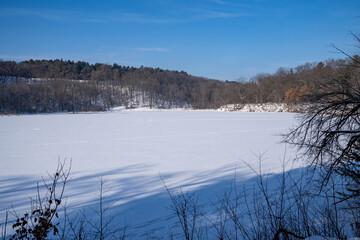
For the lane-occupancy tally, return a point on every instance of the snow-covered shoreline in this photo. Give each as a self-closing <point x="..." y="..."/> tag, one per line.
<point x="250" y="107"/>
<point x="263" y="107"/>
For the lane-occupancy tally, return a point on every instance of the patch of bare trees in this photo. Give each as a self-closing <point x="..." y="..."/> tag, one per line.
<point x="57" y="85"/>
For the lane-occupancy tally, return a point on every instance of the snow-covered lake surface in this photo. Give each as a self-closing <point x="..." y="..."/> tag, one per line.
<point x="130" y="149"/>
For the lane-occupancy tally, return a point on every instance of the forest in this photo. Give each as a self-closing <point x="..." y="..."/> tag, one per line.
<point x="45" y="86"/>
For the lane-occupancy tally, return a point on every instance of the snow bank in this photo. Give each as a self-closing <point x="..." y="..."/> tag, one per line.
<point x="145" y="109"/>
<point x="263" y="107"/>
<point x="250" y="107"/>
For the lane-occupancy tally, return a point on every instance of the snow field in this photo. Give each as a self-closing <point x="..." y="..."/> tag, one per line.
<point x="131" y="149"/>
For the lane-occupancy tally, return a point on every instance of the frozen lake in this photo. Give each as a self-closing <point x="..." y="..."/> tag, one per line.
<point x="161" y="141"/>
<point x="130" y="149"/>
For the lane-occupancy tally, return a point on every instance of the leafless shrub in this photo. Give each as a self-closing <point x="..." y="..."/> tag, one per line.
<point x="103" y="226"/>
<point x="39" y="222"/>
<point x="186" y="207"/>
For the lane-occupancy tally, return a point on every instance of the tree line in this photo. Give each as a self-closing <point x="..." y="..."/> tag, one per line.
<point x="38" y="86"/>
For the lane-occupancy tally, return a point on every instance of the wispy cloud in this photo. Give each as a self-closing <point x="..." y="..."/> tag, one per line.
<point x="207" y="14"/>
<point x="79" y="16"/>
<point x="221" y="2"/>
<point x="182" y="15"/>
<point x="152" y="49"/>
<point x="49" y="14"/>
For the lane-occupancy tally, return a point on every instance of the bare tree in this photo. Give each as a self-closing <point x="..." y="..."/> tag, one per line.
<point x="329" y="132"/>
<point x="103" y="226"/>
<point x="186" y="207"/>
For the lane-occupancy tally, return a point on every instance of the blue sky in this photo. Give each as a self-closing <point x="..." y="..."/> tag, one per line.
<point x="221" y="39"/>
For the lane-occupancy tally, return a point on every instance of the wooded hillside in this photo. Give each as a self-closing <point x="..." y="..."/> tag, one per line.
<point x="37" y="86"/>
